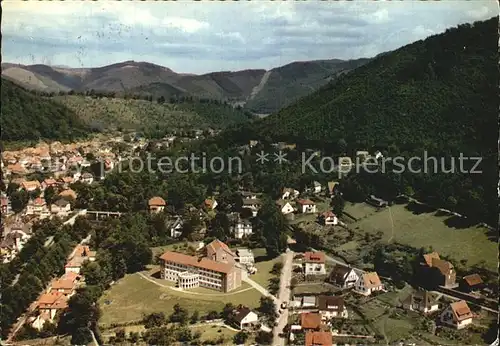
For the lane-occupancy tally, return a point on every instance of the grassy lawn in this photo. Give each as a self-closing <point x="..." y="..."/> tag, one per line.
<point x="264" y="266"/>
<point x="427" y="229"/>
<point x="133" y="296"/>
<point x="212" y="332"/>
<point x="359" y="210"/>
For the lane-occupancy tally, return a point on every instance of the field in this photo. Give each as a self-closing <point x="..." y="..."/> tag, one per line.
<point x="427" y="229"/>
<point x="133" y="296"/>
<point x="264" y="266"/>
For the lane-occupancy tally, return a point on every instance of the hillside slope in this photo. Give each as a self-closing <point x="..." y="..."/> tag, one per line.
<point x="439" y="95"/>
<point x="288" y="83"/>
<point x="25" y="116"/>
<point x="111" y="113"/>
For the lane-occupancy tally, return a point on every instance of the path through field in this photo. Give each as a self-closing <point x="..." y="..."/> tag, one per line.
<point x="259" y="86"/>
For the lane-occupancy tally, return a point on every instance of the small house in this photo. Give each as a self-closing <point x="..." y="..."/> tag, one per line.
<point x="219" y="252"/>
<point x="368" y="283"/>
<point x="331" y="307"/>
<point x="286" y="207"/>
<point x="317" y="187"/>
<point x="61" y="207"/>
<point x="314" y="263"/>
<point x="472" y="282"/>
<point x="315" y="338"/>
<point x="87" y="178"/>
<point x="308" y="301"/>
<point x="241" y="228"/>
<point x="438" y="272"/>
<point x="343" y="276"/>
<point x="310" y="321"/>
<point x="457" y="315"/>
<point x="328" y="218"/>
<point x="245" y="318"/>
<point x="210" y="204"/>
<point x="289" y="193"/>
<point x="30" y="186"/>
<point x="245" y="256"/>
<point x="376" y="202"/>
<point x="156" y="204"/>
<point x="306" y="206"/>
<point x="422" y="301"/>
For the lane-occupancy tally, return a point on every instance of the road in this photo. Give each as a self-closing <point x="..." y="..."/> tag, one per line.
<point x="284" y="295"/>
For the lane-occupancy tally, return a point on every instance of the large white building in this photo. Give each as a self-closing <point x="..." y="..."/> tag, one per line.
<point x="190" y="271"/>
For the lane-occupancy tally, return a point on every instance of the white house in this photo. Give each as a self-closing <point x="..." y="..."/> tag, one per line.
<point x="317" y="187"/>
<point x="289" y="193"/>
<point x="457" y="315"/>
<point x="253" y="204"/>
<point x="242" y="228"/>
<point x="176" y="229"/>
<point x="314" y="263"/>
<point x="328" y="218"/>
<point x="244" y="318"/>
<point x="368" y="283"/>
<point x="422" y="301"/>
<point x="245" y="256"/>
<point x="306" y="206"/>
<point x="343" y="276"/>
<point x="331" y="307"/>
<point x="61" y="207"/>
<point x="286" y="208"/>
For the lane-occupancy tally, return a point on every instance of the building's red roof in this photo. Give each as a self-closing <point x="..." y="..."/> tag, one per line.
<point x="193" y="261"/>
<point x="314" y="257"/>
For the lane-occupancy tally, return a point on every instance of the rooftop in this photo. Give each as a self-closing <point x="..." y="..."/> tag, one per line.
<point x="193" y="261"/>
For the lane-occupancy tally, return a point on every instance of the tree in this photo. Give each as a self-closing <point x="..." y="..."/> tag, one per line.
<point x="19" y="200"/>
<point x="156" y="319"/>
<point x="267" y="307"/>
<point x="272" y="223"/>
<point x="264" y="338"/>
<point x="212" y="315"/>
<point x="276" y="269"/>
<point x="228" y="312"/>
<point x="194" y="317"/>
<point x="180" y="315"/>
<point x="161" y="99"/>
<point x="240" y="338"/>
<point x="338" y="204"/>
<point x="49" y="195"/>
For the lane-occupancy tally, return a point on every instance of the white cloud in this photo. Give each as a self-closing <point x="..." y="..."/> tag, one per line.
<point x="205" y="36"/>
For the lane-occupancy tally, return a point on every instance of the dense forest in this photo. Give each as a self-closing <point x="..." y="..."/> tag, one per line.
<point x="438" y="95"/>
<point x="26" y="116"/>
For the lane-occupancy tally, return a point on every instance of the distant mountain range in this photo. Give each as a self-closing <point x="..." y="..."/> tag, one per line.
<point x="259" y="90"/>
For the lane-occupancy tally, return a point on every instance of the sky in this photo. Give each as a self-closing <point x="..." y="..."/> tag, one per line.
<point x="201" y="37"/>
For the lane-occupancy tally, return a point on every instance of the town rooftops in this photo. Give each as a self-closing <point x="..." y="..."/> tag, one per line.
<point x="61" y="202"/>
<point x="31" y="185"/>
<point x="53" y="300"/>
<point x="50" y="182"/>
<point x="314" y="257"/>
<point x="194" y="261"/>
<point x="39" y="201"/>
<point x="305" y="202"/>
<point x="156" y="201"/>
<point x="371" y="280"/>
<point x="318" y="338"/>
<point x="310" y="320"/>
<point x="473" y="279"/>
<point x="461" y="310"/>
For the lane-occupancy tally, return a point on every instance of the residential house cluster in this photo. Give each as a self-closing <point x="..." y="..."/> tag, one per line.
<point x="55" y="299"/>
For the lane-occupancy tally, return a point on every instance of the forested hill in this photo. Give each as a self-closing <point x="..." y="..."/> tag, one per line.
<point x="25" y="116"/>
<point x="438" y="95"/>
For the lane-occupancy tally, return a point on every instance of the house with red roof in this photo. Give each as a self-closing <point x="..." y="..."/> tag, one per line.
<point x="306" y="206"/>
